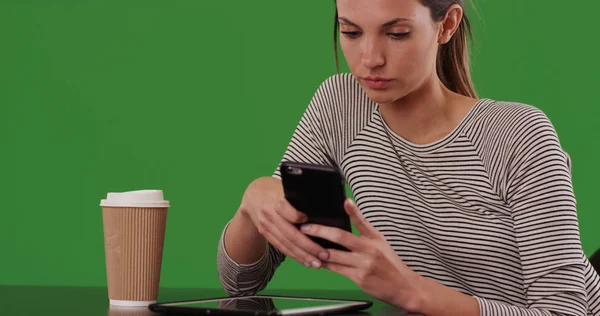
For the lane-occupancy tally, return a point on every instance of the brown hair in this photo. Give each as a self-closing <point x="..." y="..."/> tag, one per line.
<point x="453" y="57"/>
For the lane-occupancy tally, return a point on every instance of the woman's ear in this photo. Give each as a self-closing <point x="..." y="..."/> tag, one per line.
<point x="450" y="23"/>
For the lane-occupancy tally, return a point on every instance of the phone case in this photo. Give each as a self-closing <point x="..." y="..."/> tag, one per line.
<point x="319" y="192"/>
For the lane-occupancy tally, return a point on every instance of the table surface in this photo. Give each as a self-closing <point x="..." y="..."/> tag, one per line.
<point x="93" y="301"/>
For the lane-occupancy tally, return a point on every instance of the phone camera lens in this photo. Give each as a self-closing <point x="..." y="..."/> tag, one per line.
<point x="294" y="171"/>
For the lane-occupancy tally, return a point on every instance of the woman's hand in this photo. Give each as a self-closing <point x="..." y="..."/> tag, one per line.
<point x="264" y="203"/>
<point x="372" y="263"/>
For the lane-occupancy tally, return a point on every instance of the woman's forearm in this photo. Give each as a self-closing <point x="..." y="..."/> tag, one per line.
<point x="242" y="241"/>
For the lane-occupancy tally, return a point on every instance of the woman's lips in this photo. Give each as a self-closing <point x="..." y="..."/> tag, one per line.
<point x="377" y="83"/>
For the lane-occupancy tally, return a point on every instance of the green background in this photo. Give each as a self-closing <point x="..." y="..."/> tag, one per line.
<point x="198" y="98"/>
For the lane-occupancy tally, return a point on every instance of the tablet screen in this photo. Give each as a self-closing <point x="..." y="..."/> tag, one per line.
<point x="264" y="303"/>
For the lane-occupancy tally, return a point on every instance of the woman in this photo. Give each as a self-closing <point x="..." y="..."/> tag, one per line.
<point x="465" y="205"/>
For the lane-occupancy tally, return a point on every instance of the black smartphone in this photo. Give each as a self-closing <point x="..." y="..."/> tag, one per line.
<point x="319" y="192"/>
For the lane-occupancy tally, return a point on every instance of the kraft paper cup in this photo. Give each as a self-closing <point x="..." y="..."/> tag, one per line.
<point x="134" y="231"/>
<point x="129" y="311"/>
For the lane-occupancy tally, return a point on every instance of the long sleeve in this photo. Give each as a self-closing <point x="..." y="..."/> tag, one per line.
<point x="540" y="194"/>
<point x="312" y="140"/>
<point x="308" y="145"/>
<point x="246" y="279"/>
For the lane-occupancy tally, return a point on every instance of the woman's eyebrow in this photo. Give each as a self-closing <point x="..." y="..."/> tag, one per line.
<point x="386" y="24"/>
<point x="394" y="21"/>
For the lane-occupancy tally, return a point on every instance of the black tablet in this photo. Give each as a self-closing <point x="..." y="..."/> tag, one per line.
<point x="260" y="305"/>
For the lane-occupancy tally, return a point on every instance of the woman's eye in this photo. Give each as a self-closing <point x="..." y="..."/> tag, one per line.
<point x="351" y="34"/>
<point x="398" y="36"/>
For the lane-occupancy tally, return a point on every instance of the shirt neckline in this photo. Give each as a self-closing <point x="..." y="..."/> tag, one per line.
<point x="432" y="146"/>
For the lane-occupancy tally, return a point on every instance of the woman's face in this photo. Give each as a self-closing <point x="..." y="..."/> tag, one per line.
<point x="389" y="45"/>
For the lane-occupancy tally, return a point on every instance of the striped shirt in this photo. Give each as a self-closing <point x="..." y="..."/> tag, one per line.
<point x="488" y="210"/>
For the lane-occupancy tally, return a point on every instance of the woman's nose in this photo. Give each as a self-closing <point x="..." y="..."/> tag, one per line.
<point x="372" y="55"/>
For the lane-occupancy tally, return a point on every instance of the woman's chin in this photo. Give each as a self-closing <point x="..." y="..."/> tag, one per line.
<point x="382" y="96"/>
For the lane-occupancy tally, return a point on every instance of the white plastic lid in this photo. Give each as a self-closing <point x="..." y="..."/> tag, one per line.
<point x="140" y="198"/>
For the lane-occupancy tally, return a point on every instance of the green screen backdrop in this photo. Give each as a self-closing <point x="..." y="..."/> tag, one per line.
<point x="200" y="97"/>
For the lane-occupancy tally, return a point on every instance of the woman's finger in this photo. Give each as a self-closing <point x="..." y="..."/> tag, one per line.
<point x="293" y="234"/>
<point x="336" y="235"/>
<point x="360" y="222"/>
<point x="289" y="213"/>
<point x="347" y="258"/>
<point x="280" y="230"/>
<point x="341" y="269"/>
<point x="277" y="244"/>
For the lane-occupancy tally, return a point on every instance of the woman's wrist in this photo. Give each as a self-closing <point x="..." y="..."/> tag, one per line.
<point x="414" y="299"/>
<point x="433" y="298"/>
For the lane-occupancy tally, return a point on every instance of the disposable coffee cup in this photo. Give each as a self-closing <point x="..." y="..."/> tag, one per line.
<point x="134" y="231"/>
<point x="129" y="311"/>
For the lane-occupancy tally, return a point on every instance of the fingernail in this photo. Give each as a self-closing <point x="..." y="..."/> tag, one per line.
<point x="323" y="256"/>
<point x="316" y="264"/>
<point x="307" y="264"/>
<point x="351" y="202"/>
<point x="305" y="228"/>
